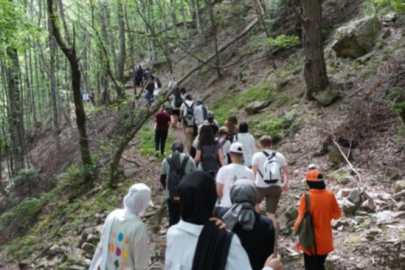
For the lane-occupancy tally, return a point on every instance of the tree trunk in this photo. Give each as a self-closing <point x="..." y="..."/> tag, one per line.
<point x="71" y="56"/>
<point x="214" y="33"/>
<point x="316" y="78"/>
<point x="121" y="60"/>
<point x="15" y="117"/>
<point x="197" y="15"/>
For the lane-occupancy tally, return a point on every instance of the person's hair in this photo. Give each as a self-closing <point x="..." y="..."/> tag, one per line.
<point x="189" y="97"/>
<point x="238" y="155"/>
<point x="176" y="91"/>
<point x="222" y="132"/>
<point x="183" y="90"/>
<point x="232" y="124"/>
<point x="243" y="127"/>
<point x="152" y="77"/>
<point x="266" y="141"/>
<point x="206" y="136"/>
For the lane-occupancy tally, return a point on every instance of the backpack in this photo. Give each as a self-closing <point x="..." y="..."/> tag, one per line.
<point x="205" y="111"/>
<point x="209" y="158"/>
<point x="272" y="169"/>
<point x="177" y="101"/>
<point x="189" y="121"/>
<point x="175" y="176"/>
<point x="189" y="107"/>
<point x="305" y="231"/>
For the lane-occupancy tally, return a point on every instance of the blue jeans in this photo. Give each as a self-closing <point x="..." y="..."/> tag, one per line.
<point x="150" y="98"/>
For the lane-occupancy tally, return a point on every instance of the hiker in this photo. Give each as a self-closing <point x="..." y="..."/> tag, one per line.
<point x="150" y="88"/>
<point x="224" y="143"/>
<point x="124" y="241"/>
<point x="256" y="232"/>
<point x="163" y="121"/>
<point x="174" y="168"/>
<point x="183" y="93"/>
<point x="200" y="112"/>
<point x="212" y="122"/>
<point x="189" y="124"/>
<point x="187" y="104"/>
<point x="193" y="150"/>
<point x="138" y="76"/>
<point x="208" y="152"/>
<point x="248" y="142"/>
<point x="232" y="124"/>
<point x="146" y="74"/>
<point x="227" y="175"/>
<point x="267" y="167"/>
<point x="176" y="104"/>
<point x="196" y="242"/>
<point x="158" y="86"/>
<point x="323" y="207"/>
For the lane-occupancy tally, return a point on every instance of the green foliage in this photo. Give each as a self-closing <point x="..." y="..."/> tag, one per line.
<point x="284" y="41"/>
<point x="146" y="141"/>
<point x="274" y="127"/>
<point x="378" y="6"/>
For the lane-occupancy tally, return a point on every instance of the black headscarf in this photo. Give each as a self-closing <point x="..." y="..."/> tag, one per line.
<point x="243" y="127"/>
<point x="198" y="195"/>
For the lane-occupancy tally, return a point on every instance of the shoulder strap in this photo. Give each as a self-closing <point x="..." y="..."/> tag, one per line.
<point x="223" y="142"/>
<point x="266" y="154"/>
<point x="171" y="163"/>
<point x="308" y="203"/>
<point x="184" y="163"/>
<point x="225" y="251"/>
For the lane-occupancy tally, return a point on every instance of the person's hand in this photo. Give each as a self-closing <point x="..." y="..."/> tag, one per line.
<point x="274" y="263"/>
<point x="219" y="223"/>
<point x="284" y="188"/>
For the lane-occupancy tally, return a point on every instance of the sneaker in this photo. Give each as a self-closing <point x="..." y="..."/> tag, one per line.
<point x="157" y="153"/>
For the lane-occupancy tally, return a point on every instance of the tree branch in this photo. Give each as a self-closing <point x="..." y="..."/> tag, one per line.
<point x="346" y="158"/>
<point x="84" y="47"/>
<point x="56" y="32"/>
<point x="298" y="15"/>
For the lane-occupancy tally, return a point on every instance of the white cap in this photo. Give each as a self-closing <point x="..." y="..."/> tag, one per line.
<point x="311" y="166"/>
<point x="236" y="148"/>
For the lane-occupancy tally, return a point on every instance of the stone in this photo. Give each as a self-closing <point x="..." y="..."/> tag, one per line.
<point x="87" y="247"/>
<point x="386" y="34"/>
<point x="157" y="266"/>
<point x="398" y="195"/>
<point x="256" y="106"/>
<point x="85" y="234"/>
<point x="336" y="157"/>
<point x="391" y="17"/>
<point x="401" y="206"/>
<point x="55" y="250"/>
<point x="331" y="262"/>
<point x="368" y="205"/>
<point x="93" y="239"/>
<point x="23" y="264"/>
<point x="326" y="97"/>
<point x="343" y="193"/>
<point x="357" y="37"/>
<point x="348" y="207"/>
<point x="354" y="196"/>
<point x="130" y="172"/>
<point x="129" y="84"/>
<point x="399" y="186"/>
<point x="152" y="159"/>
<point x="340" y="223"/>
<point x="366" y="57"/>
<point x="291" y="115"/>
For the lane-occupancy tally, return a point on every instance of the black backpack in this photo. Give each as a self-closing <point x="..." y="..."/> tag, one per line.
<point x="209" y="159"/>
<point x="189" y="121"/>
<point x="205" y="111"/>
<point x="175" y="176"/>
<point x="177" y="101"/>
<point x="189" y="107"/>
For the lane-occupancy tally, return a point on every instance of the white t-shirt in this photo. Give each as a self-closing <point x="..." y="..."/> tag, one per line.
<point x="184" y="108"/>
<point x="259" y="159"/>
<point x="227" y="175"/>
<point x="249" y="147"/>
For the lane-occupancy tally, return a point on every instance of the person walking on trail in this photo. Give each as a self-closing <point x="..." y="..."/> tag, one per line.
<point x="200" y="112"/>
<point x="124" y="241"/>
<point x="177" y="101"/>
<point x="228" y="174"/>
<point x="139" y="76"/>
<point x="189" y="124"/>
<point x="270" y="168"/>
<point x="187" y="104"/>
<point x="150" y="88"/>
<point x="196" y="242"/>
<point x="232" y="124"/>
<point x="323" y="207"/>
<point x="256" y="232"/>
<point x="248" y="142"/>
<point x="174" y="168"/>
<point x="163" y="121"/>
<point x="208" y="152"/>
<point x="224" y="143"/>
<point x="183" y="93"/>
<point x="212" y="122"/>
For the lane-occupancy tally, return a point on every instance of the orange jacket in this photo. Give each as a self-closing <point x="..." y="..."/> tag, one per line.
<point x="324" y="208"/>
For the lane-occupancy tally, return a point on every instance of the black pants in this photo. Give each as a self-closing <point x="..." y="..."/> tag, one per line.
<point x="315" y="262"/>
<point x="160" y="140"/>
<point x="174" y="212"/>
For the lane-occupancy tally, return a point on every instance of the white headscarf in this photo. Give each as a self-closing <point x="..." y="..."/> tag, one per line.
<point x="136" y="202"/>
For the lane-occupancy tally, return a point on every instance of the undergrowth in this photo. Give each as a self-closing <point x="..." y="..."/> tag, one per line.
<point x="146" y="141"/>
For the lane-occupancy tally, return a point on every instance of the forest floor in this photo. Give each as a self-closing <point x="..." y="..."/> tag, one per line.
<point x="366" y="239"/>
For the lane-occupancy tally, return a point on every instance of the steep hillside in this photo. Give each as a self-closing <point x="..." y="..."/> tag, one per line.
<point x="61" y="228"/>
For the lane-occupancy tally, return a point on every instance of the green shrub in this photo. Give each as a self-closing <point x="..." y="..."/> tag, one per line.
<point x="377" y="6"/>
<point x="284" y="41"/>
